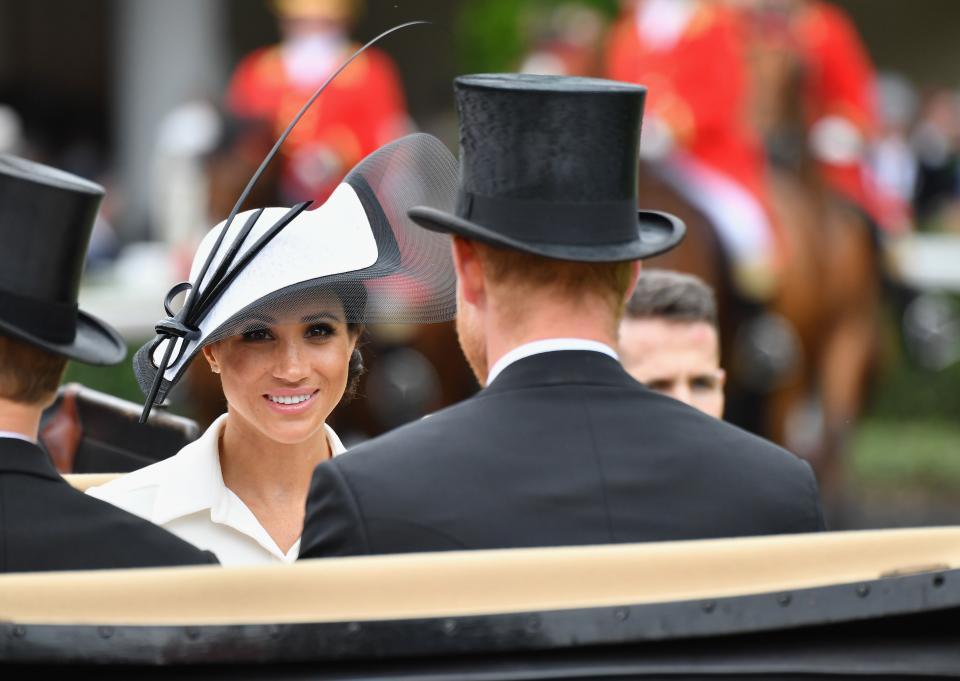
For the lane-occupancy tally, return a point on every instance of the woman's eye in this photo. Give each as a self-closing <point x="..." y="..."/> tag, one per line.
<point x="256" y="335"/>
<point x="320" y="331"/>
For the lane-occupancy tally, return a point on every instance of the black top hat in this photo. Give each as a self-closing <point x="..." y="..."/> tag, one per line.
<point x="549" y="166"/>
<point x="46" y="217"/>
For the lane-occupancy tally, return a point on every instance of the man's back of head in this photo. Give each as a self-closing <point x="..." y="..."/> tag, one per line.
<point x="547" y="231"/>
<point x="29" y="378"/>
<point x="669" y="339"/>
<point x="510" y="298"/>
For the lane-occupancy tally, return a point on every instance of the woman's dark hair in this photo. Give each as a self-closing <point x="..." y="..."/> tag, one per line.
<point x="353" y="297"/>
<point x="355" y="367"/>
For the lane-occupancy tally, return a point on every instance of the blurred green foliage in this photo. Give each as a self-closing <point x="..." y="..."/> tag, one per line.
<point x="116" y="380"/>
<point x="920" y="455"/>
<point x="490" y="33"/>
<point x="908" y="393"/>
<point x="119" y="381"/>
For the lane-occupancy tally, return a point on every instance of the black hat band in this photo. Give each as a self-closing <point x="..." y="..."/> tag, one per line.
<point x="53" y="322"/>
<point x="555" y="222"/>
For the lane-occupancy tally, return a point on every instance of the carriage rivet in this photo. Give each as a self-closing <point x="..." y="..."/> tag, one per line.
<point x="450" y="627"/>
<point x="621" y="614"/>
<point x="353" y="628"/>
<point x="709" y="607"/>
<point x="863" y="590"/>
<point x="784" y="599"/>
<point x="105" y="632"/>
<point x="19" y="631"/>
<point x="193" y="633"/>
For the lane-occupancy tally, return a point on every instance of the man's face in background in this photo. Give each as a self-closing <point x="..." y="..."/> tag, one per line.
<point x="677" y="358"/>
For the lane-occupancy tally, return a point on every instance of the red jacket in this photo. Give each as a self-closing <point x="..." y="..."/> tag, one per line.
<point x="362" y="109"/>
<point x="840" y="77"/>
<point x="841" y="82"/>
<point x="699" y="87"/>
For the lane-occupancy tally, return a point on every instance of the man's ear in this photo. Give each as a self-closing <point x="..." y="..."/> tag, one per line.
<point x="470" y="273"/>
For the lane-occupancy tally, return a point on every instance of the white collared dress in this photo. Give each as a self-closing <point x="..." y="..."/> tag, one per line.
<point x="186" y="495"/>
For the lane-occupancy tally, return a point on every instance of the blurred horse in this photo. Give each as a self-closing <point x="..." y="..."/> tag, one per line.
<point x="842" y="267"/>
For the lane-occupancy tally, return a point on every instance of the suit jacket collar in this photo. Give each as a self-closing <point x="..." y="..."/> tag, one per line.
<point x="563" y="367"/>
<point x="19" y="456"/>
<point x="546" y="345"/>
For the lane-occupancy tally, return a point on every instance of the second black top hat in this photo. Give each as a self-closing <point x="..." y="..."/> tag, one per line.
<point x="549" y="166"/>
<point x="46" y="217"/>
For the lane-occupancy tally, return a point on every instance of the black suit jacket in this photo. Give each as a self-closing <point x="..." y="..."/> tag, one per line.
<point x="563" y="448"/>
<point x="45" y="524"/>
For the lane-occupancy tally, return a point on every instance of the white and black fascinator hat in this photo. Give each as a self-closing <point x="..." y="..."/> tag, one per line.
<point x="359" y="246"/>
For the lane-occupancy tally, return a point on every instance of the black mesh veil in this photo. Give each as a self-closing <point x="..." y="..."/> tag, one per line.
<point x="360" y="249"/>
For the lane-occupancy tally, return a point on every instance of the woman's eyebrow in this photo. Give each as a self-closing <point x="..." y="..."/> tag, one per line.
<point x="259" y="317"/>
<point x="320" y="315"/>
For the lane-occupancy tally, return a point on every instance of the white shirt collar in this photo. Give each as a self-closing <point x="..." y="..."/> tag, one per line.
<point x="548" y="345"/>
<point x="193" y="482"/>
<point x="17" y="436"/>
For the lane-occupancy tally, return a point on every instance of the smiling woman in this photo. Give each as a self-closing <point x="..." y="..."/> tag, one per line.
<point x="280" y="326"/>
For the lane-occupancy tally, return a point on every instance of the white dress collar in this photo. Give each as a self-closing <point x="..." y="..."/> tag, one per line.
<point x="548" y="345"/>
<point x="193" y="482"/>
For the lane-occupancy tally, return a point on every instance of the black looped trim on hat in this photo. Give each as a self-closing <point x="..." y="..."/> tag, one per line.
<point x="175" y="327"/>
<point x="555" y="222"/>
<point x="53" y="322"/>
<point x="175" y="291"/>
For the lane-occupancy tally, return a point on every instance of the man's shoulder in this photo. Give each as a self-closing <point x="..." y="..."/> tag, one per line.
<point x="693" y="429"/>
<point x="103" y="534"/>
<point x="419" y="436"/>
<point x="624" y="418"/>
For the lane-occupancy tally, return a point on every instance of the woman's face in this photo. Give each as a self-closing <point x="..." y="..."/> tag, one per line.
<point x="283" y="377"/>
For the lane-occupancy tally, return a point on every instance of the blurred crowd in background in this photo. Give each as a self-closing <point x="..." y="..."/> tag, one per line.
<point x="702" y="92"/>
<point x="737" y="89"/>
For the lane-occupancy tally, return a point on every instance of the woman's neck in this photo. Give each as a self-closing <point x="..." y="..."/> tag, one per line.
<point x="270" y="477"/>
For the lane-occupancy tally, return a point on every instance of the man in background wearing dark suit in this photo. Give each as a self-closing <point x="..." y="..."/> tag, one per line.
<point x="46" y="217"/>
<point x="562" y="446"/>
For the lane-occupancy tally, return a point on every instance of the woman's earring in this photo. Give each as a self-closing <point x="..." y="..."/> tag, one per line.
<point x="215" y="369"/>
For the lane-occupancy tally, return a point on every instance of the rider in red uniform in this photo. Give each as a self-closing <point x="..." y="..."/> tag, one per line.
<point x="361" y="110"/>
<point x="689" y="53"/>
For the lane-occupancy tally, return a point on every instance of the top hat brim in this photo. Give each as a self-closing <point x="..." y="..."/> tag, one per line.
<point x="656" y="233"/>
<point x="95" y="342"/>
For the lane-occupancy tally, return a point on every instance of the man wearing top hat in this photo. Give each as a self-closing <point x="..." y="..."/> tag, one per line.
<point x="46" y="217"/>
<point x="562" y="446"/>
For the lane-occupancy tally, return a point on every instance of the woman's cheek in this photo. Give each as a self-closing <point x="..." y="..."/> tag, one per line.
<point x="331" y="363"/>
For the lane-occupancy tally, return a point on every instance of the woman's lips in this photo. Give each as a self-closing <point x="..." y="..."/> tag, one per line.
<point x="290" y="402"/>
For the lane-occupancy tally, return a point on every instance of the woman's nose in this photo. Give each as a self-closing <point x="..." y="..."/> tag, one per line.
<point x="290" y="364"/>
